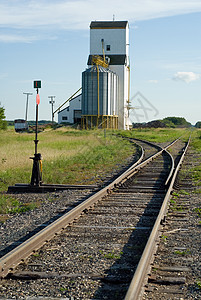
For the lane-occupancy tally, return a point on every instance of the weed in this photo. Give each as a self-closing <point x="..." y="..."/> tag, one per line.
<point x="3" y="218"/>
<point x="198" y="284"/>
<point x="63" y="289"/>
<point x="175" y="194"/>
<point x="20" y="208"/>
<point x="164" y="238"/>
<point x="176" y="207"/>
<point x="179" y="208"/>
<point x="72" y="281"/>
<point x="183" y="192"/>
<point x="182" y="253"/>
<point x="10" y="205"/>
<point x="36" y="254"/>
<point x="111" y="255"/>
<point x="198" y="211"/>
<point x="197" y="191"/>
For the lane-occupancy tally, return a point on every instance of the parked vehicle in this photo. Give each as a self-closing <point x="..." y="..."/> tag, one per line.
<point x="21" y="125"/>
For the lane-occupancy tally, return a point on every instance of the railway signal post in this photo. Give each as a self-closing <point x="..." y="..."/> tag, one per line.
<point x="36" y="178"/>
<point x="36" y="185"/>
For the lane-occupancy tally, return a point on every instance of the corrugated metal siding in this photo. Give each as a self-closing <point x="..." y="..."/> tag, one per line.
<point x="107" y="94"/>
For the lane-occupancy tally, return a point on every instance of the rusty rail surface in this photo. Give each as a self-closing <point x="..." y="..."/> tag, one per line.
<point x="9" y="261"/>
<point x="136" y="288"/>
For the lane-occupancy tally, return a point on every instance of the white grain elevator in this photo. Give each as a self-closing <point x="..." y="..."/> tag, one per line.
<point x="106" y="82"/>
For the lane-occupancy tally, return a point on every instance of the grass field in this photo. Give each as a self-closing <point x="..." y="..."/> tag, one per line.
<point x="158" y="135"/>
<point x="71" y="156"/>
<point x="196" y="171"/>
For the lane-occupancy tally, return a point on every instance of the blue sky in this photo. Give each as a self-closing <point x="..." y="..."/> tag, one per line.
<point x="49" y="41"/>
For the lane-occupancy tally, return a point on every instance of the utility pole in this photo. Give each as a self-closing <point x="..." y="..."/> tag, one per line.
<point x="28" y="94"/>
<point x="52" y="103"/>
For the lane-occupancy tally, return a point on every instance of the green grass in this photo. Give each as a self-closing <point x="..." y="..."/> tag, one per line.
<point x="197" y="191"/>
<point x="173" y="201"/>
<point x="36" y="254"/>
<point x="10" y="205"/>
<point x="158" y="135"/>
<point x="73" y="156"/>
<point x="69" y="156"/>
<point x="183" y="192"/>
<point x="196" y="171"/>
<point x="87" y="165"/>
<point x="164" y="238"/>
<point x="111" y="255"/>
<point x="182" y="253"/>
<point x="196" y="175"/>
<point x="198" y="211"/>
<point x="196" y="143"/>
<point x="198" y="284"/>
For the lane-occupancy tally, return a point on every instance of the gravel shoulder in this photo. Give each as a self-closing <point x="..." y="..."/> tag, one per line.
<point x="176" y="271"/>
<point x="181" y="234"/>
<point x="49" y="207"/>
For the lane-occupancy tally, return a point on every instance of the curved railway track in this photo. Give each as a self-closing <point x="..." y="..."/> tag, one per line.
<point x="104" y="240"/>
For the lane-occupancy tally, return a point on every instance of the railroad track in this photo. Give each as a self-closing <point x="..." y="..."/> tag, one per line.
<point x="103" y="239"/>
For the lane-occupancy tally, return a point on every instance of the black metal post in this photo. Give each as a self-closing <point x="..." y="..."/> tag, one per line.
<point x="36" y="129"/>
<point x="36" y="178"/>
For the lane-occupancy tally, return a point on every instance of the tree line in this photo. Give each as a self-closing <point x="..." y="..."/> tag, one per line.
<point x="171" y="122"/>
<point x="3" y="123"/>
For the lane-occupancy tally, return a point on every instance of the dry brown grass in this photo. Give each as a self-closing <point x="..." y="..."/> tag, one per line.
<point x="15" y="148"/>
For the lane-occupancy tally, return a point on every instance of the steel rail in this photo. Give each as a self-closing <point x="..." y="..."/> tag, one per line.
<point x="9" y="261"/>
<point x="139" y="166"/>
<point x="136" y="288"/>
<point x="20" y="253"/>
<point x="172" y="169"/>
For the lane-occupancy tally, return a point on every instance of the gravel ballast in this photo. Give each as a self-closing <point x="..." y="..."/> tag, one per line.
<point x="57" y="284"/>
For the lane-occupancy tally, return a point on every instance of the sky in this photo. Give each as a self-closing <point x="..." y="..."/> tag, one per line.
<point x="49" y="41"/>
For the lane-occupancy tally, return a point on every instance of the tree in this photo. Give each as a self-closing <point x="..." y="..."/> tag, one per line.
<point x="3" y="123"/>
<point x="176" y="122"/>
<point x="198" y="124"/>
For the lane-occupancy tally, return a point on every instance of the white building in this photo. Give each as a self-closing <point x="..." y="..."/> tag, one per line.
<point x="72" y="113"/>
<point x="113" y="38"/>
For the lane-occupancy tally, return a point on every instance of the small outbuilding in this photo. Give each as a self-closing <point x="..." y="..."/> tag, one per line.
<point x="72" y="113"/>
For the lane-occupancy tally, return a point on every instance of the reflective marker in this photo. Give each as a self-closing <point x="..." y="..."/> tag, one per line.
<point x="37" y="99"/>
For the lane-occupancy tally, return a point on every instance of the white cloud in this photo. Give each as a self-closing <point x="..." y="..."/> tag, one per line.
<point x="77" y="14"/>
<point x="3" y="75"/>
<point x="12" y="38"/>
<point x="186" y="76"/>
<point x="153" y="81"/>
<point x="16" y="38"/>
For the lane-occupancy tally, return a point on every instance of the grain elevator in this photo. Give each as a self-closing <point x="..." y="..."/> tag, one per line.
<point x="106" y="82"/>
